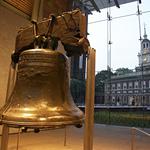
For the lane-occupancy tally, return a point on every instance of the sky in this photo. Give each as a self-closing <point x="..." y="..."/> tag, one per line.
<point x="124" y="35"/>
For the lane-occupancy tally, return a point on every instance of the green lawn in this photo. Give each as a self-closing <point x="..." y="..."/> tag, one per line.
<point x="136" y="119"/>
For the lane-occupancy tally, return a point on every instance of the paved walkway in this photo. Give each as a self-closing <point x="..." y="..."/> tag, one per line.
<point x="105" y="138"/>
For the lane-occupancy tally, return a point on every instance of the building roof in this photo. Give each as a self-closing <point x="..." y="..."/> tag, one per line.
<point x="145" y="40"/>
<point x="101" y="4"/>
<point x="130" y="75"/>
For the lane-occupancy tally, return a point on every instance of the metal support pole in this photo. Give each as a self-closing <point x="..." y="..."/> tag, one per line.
<point x="89" y="103"/>
<point x="65" y="136"/>
<point x="35" y="10"/>
<point x="132" y="138"/>
<point x="109" y="43"/>
<point x="5" y="137"/>
<point x="18" y="139"/>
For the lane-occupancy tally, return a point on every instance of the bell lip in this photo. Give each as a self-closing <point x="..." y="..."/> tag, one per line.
<point x="41" y="125"/>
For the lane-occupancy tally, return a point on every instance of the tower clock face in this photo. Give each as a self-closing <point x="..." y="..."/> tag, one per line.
<point x="145" y="59"/>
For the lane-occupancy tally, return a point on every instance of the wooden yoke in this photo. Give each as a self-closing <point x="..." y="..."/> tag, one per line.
<point x="69" y="28"/>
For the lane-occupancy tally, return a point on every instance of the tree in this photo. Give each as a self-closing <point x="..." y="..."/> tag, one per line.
<point x="122" y="71"/>
<point x="100" y="79"/>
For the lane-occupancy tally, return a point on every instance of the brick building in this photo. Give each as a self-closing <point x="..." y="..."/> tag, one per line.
<point x="132" y="88"/>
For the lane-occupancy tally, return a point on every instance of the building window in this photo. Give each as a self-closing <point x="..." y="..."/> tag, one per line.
<point x="124" y="85"/>
<point x="149" y="83"/>
<point x="147" y="45"/>
<point x="143" y="45"/>
<point x="108" y="87"/>
<point x="118" y="86"/>
<point x="130" y="85"/>
<point x="143" y="84"/>
<point x="113" y="86"/>
<point x="136" y="84"/>
<point x="81" y="61"/>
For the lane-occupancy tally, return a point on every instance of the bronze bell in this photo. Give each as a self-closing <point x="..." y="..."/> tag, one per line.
<point x="41" y="96"/>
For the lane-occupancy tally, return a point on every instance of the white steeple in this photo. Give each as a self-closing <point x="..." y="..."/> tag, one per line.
<point x="144" y="55"/>
<point x="145" y="35"/>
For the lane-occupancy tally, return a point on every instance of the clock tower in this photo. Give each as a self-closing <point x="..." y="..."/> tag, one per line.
<point x="144" y="55"/>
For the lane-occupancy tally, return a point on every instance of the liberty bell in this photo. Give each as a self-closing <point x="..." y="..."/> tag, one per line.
<point x="41" y="95"/>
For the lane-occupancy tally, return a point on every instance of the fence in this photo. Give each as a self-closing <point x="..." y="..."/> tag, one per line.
<point x="122" y="115"/>
<point x="133" y="135"/>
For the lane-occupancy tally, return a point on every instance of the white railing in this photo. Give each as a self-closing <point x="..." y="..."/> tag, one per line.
<point x="133" y="135"/>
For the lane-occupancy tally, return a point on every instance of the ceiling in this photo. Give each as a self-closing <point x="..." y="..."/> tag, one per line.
<point x="24" y="7"/>
<point x="21" y="7"/>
